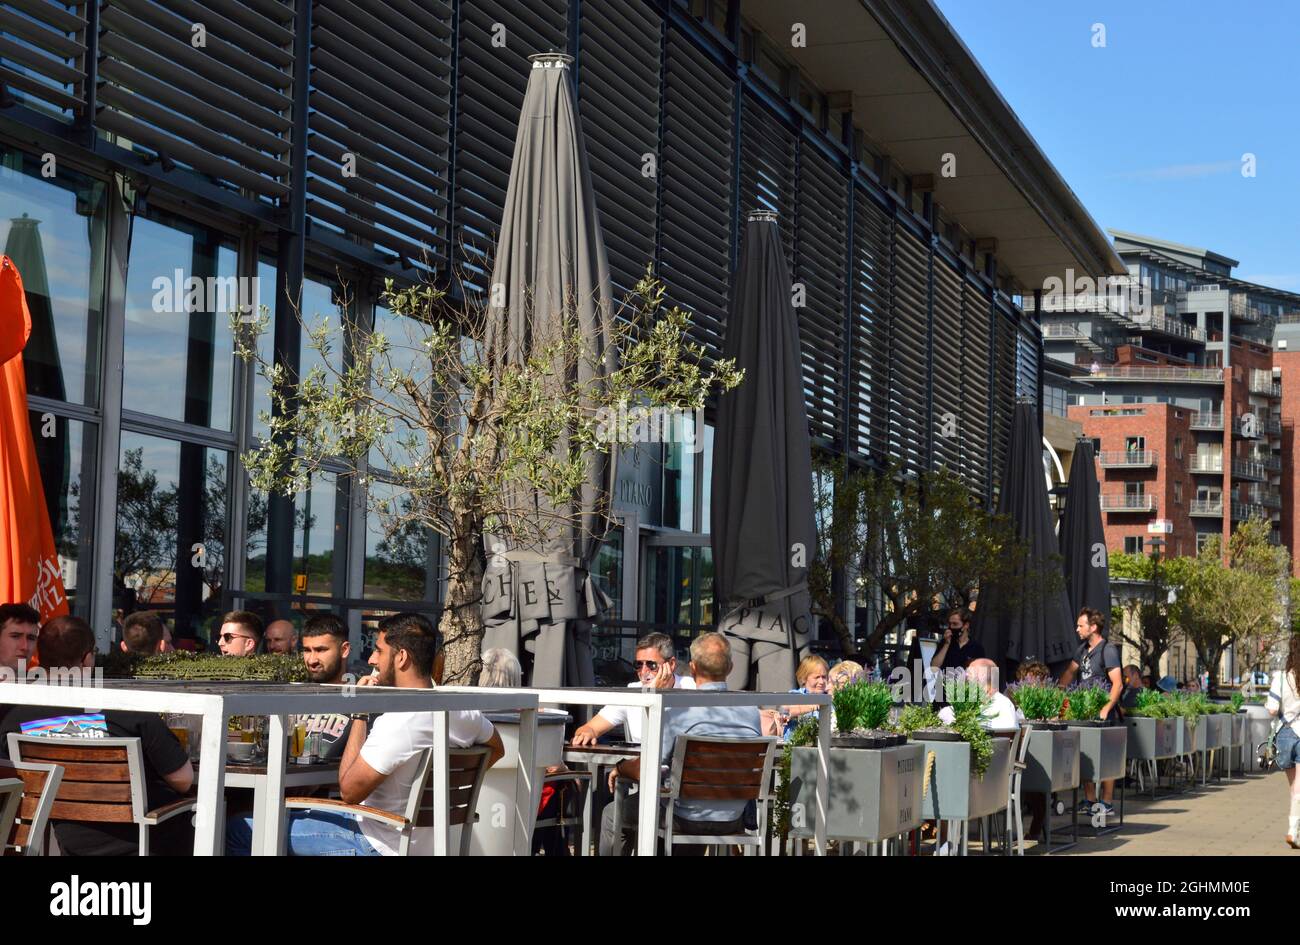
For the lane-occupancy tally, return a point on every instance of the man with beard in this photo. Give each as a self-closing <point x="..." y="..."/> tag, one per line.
<point x="381" y="757"/>
<point x="325" y="652"/>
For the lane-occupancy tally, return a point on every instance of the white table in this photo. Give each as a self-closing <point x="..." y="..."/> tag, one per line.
<point x="216" y="702"/>
<point x="258" y="778"/>
<point x="652" y="705"/>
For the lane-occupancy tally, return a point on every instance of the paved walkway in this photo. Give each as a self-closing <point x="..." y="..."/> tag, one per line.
<point x="1241" y="817"/>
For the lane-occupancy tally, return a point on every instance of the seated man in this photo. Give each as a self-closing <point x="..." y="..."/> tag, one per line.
<point x="1001" y="714"/>
<point x="710" y="664"/>
<point x="380" y="759"/>
<point x="241" y="633"/>
<point x="280" y="636"/>
<point x="19" y="627"/>
<point x="656" y="665"/>
<point x="69" y="643"/>
<point x="325" y="652"/>
<point x="144" y="633"/>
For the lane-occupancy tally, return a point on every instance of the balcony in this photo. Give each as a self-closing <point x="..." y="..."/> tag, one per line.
<point x="1251" y="431"/>
<point x="1261" y="382"/>
<point x="1268" y="498"/>
<point x="1065" y="332"/>
<point x="1128" y="503"/>
<point x="1271" y="461"/>
<point x="1207" y="509"/>
<point x="1244" y="469"/>
<point x="1207" y="421"/>
<point x="1240" y="308"/>
<point x="1128" y="459"/>
<point x="1244" y="510"/>
<point x="1206" y="464"/>
<point x="1272" y="427"/>
<point x="1162" y="324"/>
<point x="1187" y="375"/>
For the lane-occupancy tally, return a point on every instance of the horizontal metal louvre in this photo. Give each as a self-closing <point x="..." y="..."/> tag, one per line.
<point x="489" y="93"/>
<point x="696" y="168"/>
<point x="821" y="231"/>
<point x="946" y="424"/>
<point x="909" y="298"/>
<point x="42" y="55"/>
<point x="767" y="167"/>
<point x="222" y="107"/>
<point x="869" y="378"/>
<point x="975" y="379"/>
<point x="620" y="44"/>
<point x="1026" y="366"/>
<point x="380" y="125"/>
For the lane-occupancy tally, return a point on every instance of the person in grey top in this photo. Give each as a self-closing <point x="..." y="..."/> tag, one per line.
<point x="710" y="664"/>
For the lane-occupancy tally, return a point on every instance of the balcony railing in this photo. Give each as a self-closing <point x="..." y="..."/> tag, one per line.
<point x="1271" y="462"/>
<point x="1206" y="464"/>
<point x="1252" y="431"/>
<point x="1243" y="469"/>
<point x="1130" y="458"/>
<point x="1207" y="508"/>
<point x="1240" y="307"/>
<point x="1065" y="332"/>
<point x="1244" y="510"/>
<point x="1261" y="382"/>
<point x="1268" y="498"/>
<point x="1168" y="326"/>
<point x="1207" y="421"/>
<point x="1127" y="372"/>
<point x="1272" y="427"/>
<point x="1129" y="503"/>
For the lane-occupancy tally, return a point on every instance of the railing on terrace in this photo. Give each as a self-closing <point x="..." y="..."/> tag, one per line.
<point x="1127" y="372"/>
<point x="1158" y="321"/>
<point x="1244" y="510"/>
<point x="1207" y="507"/>
<point x="1243" y="469"/>
<point x="1128" y="503"/>
<point x="1134" y="458"/>
<point x="1207" y="421"/>
<point x="1206" y="464"/>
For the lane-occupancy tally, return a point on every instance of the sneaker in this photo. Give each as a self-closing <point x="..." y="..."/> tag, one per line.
<point x="1108" y="809"/>
<point x="1085" y="807"/>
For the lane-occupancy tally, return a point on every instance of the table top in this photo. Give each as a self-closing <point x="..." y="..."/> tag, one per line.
<point x="601" y="752"/>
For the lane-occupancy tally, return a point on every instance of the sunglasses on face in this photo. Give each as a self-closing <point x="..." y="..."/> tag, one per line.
<point x="229" y="637"/>
<point x="648" y="664"/>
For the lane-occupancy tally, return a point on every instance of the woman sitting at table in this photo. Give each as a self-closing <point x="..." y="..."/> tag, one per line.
<point x="812" y="675"/>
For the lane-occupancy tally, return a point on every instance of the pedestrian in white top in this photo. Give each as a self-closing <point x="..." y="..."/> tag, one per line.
<point x="380" y="759"/>
<point x="1284" y="703"/>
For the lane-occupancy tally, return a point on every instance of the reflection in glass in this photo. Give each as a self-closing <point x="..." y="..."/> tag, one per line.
<point x="170" y="545"/>
<point x="706" y="497"/>
<point x="316" y="533"/>
<point x="180" y="290"/>
<point x="667" y="591"/>
<point x="607" y="572"/>
<point x="405" y="337"/>
<point x="398" y="564"/>
<point x="54" y="230"/>
<point x="66" y="451"/>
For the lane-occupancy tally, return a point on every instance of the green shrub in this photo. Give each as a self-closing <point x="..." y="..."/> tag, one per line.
<point x="1086" y="702"/>
<point x="1036" y="700"/>
<point x="917" y="716"/>
<point x="1151" y="704"/>
<point x="862" y="705"/>
<point x="207" y="667"/>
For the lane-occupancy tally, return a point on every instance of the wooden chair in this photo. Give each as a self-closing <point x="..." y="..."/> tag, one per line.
<point x="11" y="793"/>
<point x="468" y="767"/>
<point x="40" y="786"/>
<point x="572" y="817"/>
<point x="103" y="781"/>
<point x="719" y="769"/>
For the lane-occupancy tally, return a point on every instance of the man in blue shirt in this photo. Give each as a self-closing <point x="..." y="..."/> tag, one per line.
<point x="710" y="664"/>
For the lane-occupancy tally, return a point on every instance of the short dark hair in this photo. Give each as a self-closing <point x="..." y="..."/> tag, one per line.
<point x="246" y="619"/>
<point x="142" y="631"/>
<point x="18" y="613"/>
<point x="323" y="624"/>
<point x="414" y="634"/>
<point x="962" y="612"/>
<point x="64" y="643"/>
<point x="1096" y="618"/>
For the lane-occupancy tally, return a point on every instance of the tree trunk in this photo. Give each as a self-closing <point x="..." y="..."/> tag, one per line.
<point x="462" y="619"/>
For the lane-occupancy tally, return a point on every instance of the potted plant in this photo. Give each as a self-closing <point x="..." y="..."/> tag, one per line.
<point x="206" y="667"/>
<point x="875" y="777"/>
<point x="1152" y="730"/>
<point x="1103" y="748"/>
<point x="968" y="776"/>
<point x="1039" y="703"/>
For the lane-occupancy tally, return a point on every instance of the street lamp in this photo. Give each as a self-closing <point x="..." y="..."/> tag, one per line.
<point x="1157" y="545"/>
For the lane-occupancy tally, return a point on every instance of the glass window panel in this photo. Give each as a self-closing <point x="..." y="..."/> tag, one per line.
<point x="181" y="287"/>
<point x="54" y="230"/>
<point x="65" y="452"/>
<point x="170" y="545"/>
<point x="405" y="338"/>
<point x="265" y="347"/>
<point x="398" y="565"/>
<point x="706" y="498"/>
<point x="679" y="481"/>
<point x="317" y="530"/>
<point x="321" y="303"/>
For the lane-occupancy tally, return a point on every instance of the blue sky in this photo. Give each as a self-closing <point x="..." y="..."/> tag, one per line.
<point x="1150" y="130"/>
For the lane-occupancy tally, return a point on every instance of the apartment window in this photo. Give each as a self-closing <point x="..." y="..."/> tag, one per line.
<point x="1178" y="493"/>
<point x="1096" y="444"/>
<point x="1209" y="494"/>
<point x="1178" y="447"/>
<point x="1135" y="444"/>
<point x="1135" y="489"/>
<point x="1133" y="545"/>
<point x="1202" y="539"/>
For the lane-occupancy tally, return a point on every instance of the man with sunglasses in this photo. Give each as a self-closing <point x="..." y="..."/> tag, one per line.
<point x="656" y="666"/>
<point x="241" y="633"/>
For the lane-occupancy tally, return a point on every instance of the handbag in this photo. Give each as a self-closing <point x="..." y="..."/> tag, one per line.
<point x="1268" y="750"/>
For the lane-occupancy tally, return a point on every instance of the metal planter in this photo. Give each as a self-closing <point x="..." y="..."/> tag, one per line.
<point x="954" y="793"/>
<point x="875" y="794"/>
<point x="1103" y="752"/>
<point x="1153" y="739"/>
<point x="1217" y="731"/>
<point x="1053" y="761"/>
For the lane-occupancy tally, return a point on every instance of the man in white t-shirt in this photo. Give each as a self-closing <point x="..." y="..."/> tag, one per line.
<point x="656" y="665"/>
<point x="381" y="757"/>
<point x="1001" y="714"/>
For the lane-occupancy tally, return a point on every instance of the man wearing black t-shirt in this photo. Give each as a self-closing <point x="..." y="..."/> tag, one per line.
<point x="1097" y="663"/>
<point x="958" y="650"/>
<point x="68" y="643"/>
<point x="325" y="652"/>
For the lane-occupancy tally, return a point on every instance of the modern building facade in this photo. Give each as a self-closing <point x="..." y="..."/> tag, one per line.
<point x="302" y="151"/>
<point x="1175" y="377"/>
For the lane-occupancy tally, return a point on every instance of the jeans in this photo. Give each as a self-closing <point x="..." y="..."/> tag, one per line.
<point x="1288" y="748"/>
<point x="307" y="833"/>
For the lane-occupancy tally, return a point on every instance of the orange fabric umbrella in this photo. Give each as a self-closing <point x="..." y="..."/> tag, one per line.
<point x="29" y="560"/>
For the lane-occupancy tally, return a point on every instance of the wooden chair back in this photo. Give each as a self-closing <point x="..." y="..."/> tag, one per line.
<point x="40" y="787"/>
<point x="103" y="778"/>
<point x="721" y="769"/>
<point x="466" y="770"/>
